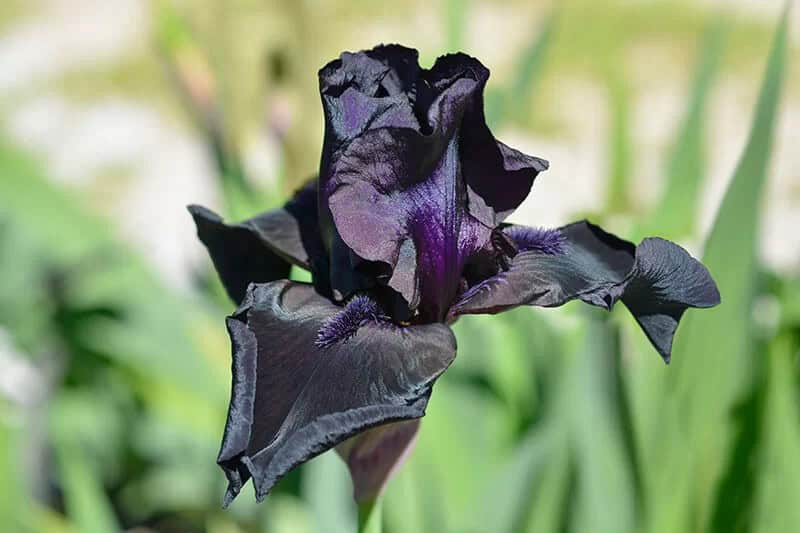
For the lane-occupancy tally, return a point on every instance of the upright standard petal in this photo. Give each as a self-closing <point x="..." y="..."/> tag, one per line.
<point x="498" y="177"/>
<point x="396" y="198"/>
<point x="359" y="92"/>
<point x="657" y="280"/>
<point x="412" y="180"/>
<point x="366" y="90"/>
<point x="293" y="397"/>
<point x="263" y="248"/>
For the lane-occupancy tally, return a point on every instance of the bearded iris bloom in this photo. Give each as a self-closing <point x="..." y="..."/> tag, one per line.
<point x="403" y="232"/>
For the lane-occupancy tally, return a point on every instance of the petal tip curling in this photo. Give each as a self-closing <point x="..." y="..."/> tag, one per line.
<point x="239" y="254"/>
<point x="656" y="280"/>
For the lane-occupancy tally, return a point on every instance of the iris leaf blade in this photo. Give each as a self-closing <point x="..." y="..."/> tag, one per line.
<point x="775" y="506"/>
<point x="456" y="13"/>
<point x="605" y="490"/>
<point x="676" y="213"/>
<point x="532" y="62"/>
<point x="716" y="334"/>
<point x="712" y="366"/>
<point x="528" y="73"/>
<point x="86" y="502"/>
<point x="327" y="489"/>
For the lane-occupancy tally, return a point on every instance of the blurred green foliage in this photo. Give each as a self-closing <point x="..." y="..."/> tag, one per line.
<point x="548" y="421"/>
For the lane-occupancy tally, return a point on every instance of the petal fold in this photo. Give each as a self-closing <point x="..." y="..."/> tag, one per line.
<point x="656" y="280"/>
<point x="292" y="399"/>
<point x="263" y="248"/>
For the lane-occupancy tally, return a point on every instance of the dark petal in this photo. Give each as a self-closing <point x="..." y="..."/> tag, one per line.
<point x="263" y="248"/>
<point x="374" y="455"/>
<point x="349" y="273"/>
<point x="545" y="240"/>
<point x="360" y="92"/>
<point x="292" y="399"/>
<point x="367" y="90"/>
<point x="396" y="198"/>
<point x="404" y="65"/>
<point x="350" y="113"/>
<point x="665" y="281"/>
<point x="498" y="177"/>
<point x="386" y="70"/>
<point x="451" y="67"/>
<point x="657" y="280"/>
<point x="417" y="198"/>
<point x="239" y="255"/>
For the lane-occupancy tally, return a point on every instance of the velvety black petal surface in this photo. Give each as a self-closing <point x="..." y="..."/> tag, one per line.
<point x="263" y="248"/>
<point x="657" y="280"/>
<point x="293" y="399"/>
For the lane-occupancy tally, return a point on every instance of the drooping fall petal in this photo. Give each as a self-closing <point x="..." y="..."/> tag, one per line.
<point x="293" y="398"/>
<point x="657" y="280"/>
<point x="263" y="248"/>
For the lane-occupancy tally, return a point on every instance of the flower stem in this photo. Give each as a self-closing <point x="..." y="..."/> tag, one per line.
<point x="370" y="516"/>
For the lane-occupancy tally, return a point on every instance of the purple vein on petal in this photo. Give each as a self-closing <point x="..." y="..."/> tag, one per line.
<point x="543" y="240"/>
<point x="358" y="312"/>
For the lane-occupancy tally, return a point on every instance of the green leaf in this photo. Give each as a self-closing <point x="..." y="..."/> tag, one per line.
<point x="282" y="512"/>
<point x="405" y="505"/>
<point x="14" y="508"/>
<point x="86" y="503"/>
<point x="605" y="492"/>
<point x="733" y="507"/>
<point x="717" y="343"/>
<point x="166" y="350"/>
<point x="620" y="155"/>
<point x="172" y="29"/>
<point x="327" y="488"/>
<point x="456" y="12"/>
<point x="531" y="63"/>
<point x="555" y="498"/>
<point x="576" y="458"/>
<point x="370" y="516"/>
<point x="154" y="338"/>
<point x="462" y="439"/>
<point x="515" y="99"/>
<point x="712" y="355"/>
<point x="676" y="214"/>
<point x="510" y="498"/>
<point x="776" y="508"/>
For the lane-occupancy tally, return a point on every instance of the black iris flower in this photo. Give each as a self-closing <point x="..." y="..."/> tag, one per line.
<point x="403" y="232"/>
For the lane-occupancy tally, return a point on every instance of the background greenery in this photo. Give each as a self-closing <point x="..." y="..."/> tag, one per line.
<point x="115" y="380"/>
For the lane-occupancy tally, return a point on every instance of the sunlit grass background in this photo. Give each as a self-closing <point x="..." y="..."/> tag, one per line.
<point x="114" y="362"/>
